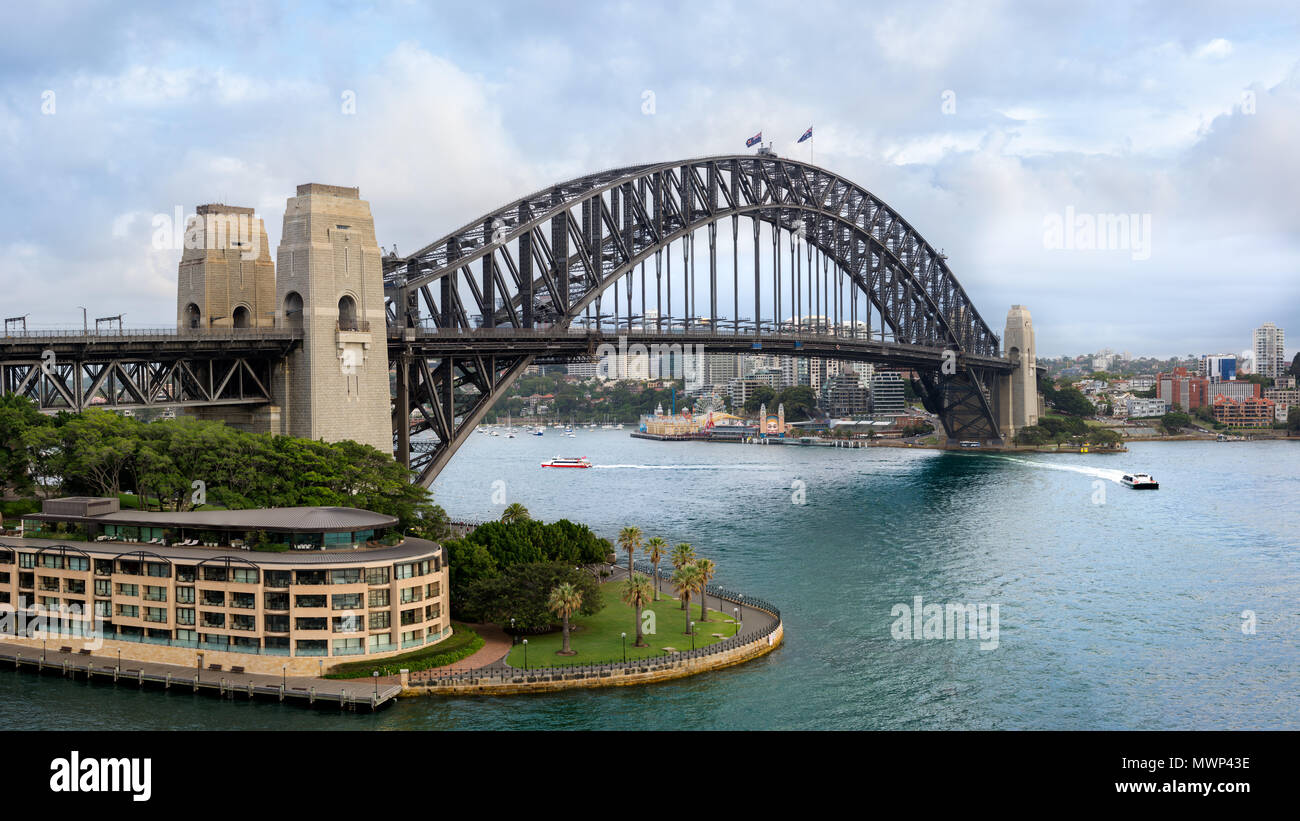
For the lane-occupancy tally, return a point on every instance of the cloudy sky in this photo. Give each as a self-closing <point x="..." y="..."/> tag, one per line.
<point x="985" y="124"/>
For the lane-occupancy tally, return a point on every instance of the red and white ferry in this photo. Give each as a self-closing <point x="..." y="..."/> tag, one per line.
<point x="569" y="462"/>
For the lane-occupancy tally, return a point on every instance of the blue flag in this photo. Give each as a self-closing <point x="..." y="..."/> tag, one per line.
<point x="807" y="135"/>
<point x="757" y="138"/>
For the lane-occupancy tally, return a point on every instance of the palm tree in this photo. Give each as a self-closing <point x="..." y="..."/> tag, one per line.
<point x="686" y="579"/>
<point x="707" y="568"/>
<point x="658" y="549"/>
<point x="629" y="539"/>
<point x="515" y="512"/>
<point x="564" y="601"/>
<point x="683" y="554"/>
<point x="637" y="592"/>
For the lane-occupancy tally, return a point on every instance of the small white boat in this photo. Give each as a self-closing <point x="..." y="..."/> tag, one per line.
<point x="1140" y="481"/>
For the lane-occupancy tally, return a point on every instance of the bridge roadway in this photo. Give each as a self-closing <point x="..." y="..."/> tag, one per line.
<point x="567" y="344"/>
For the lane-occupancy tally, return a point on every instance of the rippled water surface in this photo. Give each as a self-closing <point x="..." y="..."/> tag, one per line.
<point x="1119" y="614"/>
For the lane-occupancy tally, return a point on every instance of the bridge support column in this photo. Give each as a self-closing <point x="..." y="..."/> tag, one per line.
<point x="1017" y="394"/>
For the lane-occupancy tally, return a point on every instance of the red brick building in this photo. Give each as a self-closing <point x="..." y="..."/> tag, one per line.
<point x="1252" y="412"/>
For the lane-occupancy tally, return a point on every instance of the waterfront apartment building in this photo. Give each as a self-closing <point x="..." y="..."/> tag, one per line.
<point x="1270" y="350"/>
<point x="1252" y="412"/>
<point x="843" y="396"/>
<point x="887" y="396"/>
<point x="293" y="588"/>
<point x="1137" y="408"/>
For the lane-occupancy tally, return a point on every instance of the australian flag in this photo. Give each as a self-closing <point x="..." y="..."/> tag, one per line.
<point x="754" y="140"/>
<point x="807" y="135"/>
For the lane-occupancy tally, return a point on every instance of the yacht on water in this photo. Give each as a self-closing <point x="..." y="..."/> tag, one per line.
<point x="1140" y="481"/>
<point x="567" y="462"/>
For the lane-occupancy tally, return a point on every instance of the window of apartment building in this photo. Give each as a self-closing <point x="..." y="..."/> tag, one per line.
<point x="50" y="583"/>
<point x="347" y="576"/>
<point x="276" y="643"/>
<point x="185" y="595"/>
<point x="155" y="614"/>
<point x="276" y="624"/>
<point x="4" y="578"/>
<point x="207" y="619"/>
<point x="212" y="598"/>
<point x="380" y="619"/>
<point x="380" y="642"/>
<point x="311" y="624"/>
<point x="51" y="561"/>
<point x="103" y="587"/>
<point x="411" y="616"/>
<point x="345" y="601"/>
<point x="27" y="560"/>
<point x="185" y="573"/>
<point x="158" y="570"/>
<point x="376" y="575"/>
<point x="103" y="567"/>
<point x="77" y="586"/>
<point x="432" y="611"/>
<point x="243" y="621"/>
<point x="378" y="598"/>
<point x="412" y="594"/>
<point x="243" y="601"/>
<point x="348" y="647"/>
<point x="131" y="611"/>
<point x="78" y="563"/>
<point x="311" y="647"/>
<point x="6" y="556"/>
<point x="406" y="570"/>
<point x="185" y="615"/>
<point x="103" y="609"/>
<point x="278" y="578"/>
<point x="275" y="601"/>
<point x="4" y="597"/>
<point x="27" y="580"/>
<point x="128" y="590"/>
<point x="431" y="590"/>
<point x="214" y="574"/>
<point x="187" y="636"/>
<point x="412" y="637"/>
<point x="349" y="624"/>
<point x="155" y="593"/>
<point x="309" y="601"/>
<point x="128" y="567"/>
<point x="49" y="601"/>
<point x="244" y="575"/>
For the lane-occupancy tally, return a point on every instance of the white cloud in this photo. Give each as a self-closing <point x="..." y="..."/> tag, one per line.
<point x="1216" y="49"/>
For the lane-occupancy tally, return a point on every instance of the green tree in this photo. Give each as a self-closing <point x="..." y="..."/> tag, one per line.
<point x="564" y="601"/>
<point x="682" y="555"/>
<point x="1173" y="421"/>
<point x="1293" y="419"/>
<point x="515" y="512"/>
<point x="707" y="568"/>
<point x="686" y="580"/>
<point x="18" y="414"/>
<point x="637" y="592"/>
<point x="1072" y="401"/>
<point x="800" y="402"/>
<point x="629" y="539"/>
<point x="761" y="395"/>
<point x="657" y="549"/>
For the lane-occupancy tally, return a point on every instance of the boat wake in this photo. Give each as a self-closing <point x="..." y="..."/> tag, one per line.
<point x="1097" y="473"/>
<point x="682" y="467"/>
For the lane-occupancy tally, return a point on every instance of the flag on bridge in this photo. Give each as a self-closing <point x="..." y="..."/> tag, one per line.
<point x="757" y="138"/>
<point x="807" y="135"/>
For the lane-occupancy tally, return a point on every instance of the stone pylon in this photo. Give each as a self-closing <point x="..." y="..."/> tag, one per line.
<point x="329" y="283"/>
<point x="226" y="278"/>
<point x="1018" y="394"/>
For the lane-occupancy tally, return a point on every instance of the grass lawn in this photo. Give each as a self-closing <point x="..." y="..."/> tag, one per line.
<point x="597" y="638"/>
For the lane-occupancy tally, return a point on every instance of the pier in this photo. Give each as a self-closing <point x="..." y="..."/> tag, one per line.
<point x="362" y="694"/>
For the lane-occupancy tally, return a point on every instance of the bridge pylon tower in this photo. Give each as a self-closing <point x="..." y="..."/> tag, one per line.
<point x="329" y="285"/>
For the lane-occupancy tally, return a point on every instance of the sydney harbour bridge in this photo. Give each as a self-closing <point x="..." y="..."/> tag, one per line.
<point x="730" y="254"/>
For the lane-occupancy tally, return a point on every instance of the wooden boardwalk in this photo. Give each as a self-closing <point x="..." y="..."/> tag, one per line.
<point x="362" y="694"/>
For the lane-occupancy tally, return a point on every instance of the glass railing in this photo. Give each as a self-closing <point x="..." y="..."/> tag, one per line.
<point x="412" y="643"/>
<point x="309" y="651"/>
<point x="275" y="651"/>
<point x="350" y="651"/>
<point x="382" y="648"/>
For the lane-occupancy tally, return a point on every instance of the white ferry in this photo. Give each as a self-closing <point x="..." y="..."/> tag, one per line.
<point x="570" y="462"/>
<point x="1140" y="481"/>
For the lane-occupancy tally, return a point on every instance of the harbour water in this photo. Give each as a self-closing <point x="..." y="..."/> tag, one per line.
<point x="1117" y="609"/>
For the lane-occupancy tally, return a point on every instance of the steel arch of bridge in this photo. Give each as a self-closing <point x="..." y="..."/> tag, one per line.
<point x="545" y="260"/>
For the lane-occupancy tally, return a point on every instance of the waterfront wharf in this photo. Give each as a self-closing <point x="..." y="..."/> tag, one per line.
<point x="361" y="694"/>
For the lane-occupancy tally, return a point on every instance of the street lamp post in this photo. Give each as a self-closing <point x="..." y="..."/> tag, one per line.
<point x="284" y="676"/>
<point x="42" y="650"/>
<point x="119" y="660"/>
<point x="692" y="636"/>
<point x="525" y="654"/>
<point x="625" y="648"/>
<point x="375" y="675"/>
